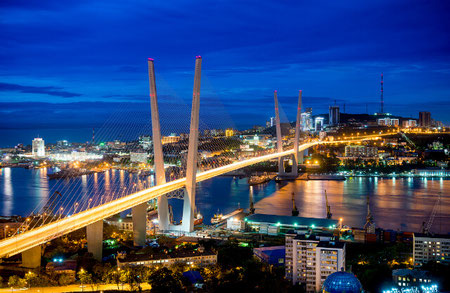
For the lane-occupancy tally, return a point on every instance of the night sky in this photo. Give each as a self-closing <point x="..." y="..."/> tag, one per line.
<point x="72" y="64"/>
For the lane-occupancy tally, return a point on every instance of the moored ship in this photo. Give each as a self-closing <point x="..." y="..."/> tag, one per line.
<point x="69" y="173"/>
<point x="219" y="217"/>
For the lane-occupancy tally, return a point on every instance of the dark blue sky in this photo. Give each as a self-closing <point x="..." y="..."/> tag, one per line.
<point x="74" y="63"/>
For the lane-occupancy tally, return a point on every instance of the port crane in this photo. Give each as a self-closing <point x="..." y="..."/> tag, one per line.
<point x="426" y="227"/>
<point x="328" y="206"/>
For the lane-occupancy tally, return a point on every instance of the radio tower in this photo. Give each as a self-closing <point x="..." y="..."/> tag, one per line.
<point x="382" y="101"/>
<point x="93" y="136"/>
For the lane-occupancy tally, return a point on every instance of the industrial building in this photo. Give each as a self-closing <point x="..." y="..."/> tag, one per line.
<point x="275" y="225"/>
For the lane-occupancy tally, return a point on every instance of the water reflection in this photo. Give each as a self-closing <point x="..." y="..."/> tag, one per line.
<point x="403" y="203"/>
<point x="7" y="191"/>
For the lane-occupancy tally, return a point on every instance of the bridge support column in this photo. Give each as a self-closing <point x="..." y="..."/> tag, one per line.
<point x="94" y="235"/>
<point x="31" y="258"/>
<point x="191" y="168"/>
<point x="163" y="205"/>
<point x="278" y="133"/>
<point x="139" y="214"/>
<point x="301" y="159"/>
<point x="297" y="135"/>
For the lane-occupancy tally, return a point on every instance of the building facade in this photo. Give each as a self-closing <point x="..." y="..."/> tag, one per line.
<point x="310" y="259"/>
<point x="431" y="248"/>
<point x="194" y="258"/>
<point x="334" y="115"/>
<point x="424" y="119"/>
<point x="360" y="151"/>
<point x="38" y="147"/>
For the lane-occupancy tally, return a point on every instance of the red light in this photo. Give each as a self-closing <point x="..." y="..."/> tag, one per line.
<point x="198" y="57"/>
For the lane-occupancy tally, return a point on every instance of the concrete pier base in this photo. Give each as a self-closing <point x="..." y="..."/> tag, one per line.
<point x="31" y="258"/>
<point x="94" y="234"/>
<point x="301" y="157"/>
<point x="139" y="214"/>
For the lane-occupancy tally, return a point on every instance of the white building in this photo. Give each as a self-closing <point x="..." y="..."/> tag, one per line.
<point x="138" y="157"/>
<point x="431" y="248"/>
<point x="360" y="151"/>
<point x="318" y="123"/>
<point x="310" y="259"/>
<point x="38" y="147"/>
<point x="307" y="123"/>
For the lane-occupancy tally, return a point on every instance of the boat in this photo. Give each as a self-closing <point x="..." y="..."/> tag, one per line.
<point x="255" y="179"/>
<point x="69" y="173"/>
<point x="219" y="217"/>
<point x="198" y="220"/>
<point x="145" y="173"/>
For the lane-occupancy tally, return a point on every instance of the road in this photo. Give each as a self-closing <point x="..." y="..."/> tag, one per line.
<point x="71" y="288"/>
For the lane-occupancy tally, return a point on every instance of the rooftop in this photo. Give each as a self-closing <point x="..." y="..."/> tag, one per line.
<point x="331" y="244"/>
<point x="171" y="255"/>
<point x="439" y="236"/>
<point x="409" y="272"/>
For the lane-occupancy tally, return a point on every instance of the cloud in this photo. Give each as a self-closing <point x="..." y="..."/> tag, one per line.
<point x="46" y="90"/>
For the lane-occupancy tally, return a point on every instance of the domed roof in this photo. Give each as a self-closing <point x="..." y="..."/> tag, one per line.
<point x="341" y="282"/>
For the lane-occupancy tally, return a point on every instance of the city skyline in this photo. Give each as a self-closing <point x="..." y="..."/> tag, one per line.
<point x="62" y="65"/>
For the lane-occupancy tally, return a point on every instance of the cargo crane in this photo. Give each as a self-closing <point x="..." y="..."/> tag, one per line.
<point x="295" y="211"/>
<point x="426" y="227"/>
<point x="328" y="206"/>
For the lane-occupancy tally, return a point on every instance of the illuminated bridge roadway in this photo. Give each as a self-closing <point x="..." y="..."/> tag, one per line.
<point x="40" y="235"/>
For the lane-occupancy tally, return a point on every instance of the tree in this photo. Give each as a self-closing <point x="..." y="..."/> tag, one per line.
<point x="31" y="279"/>
<point x="133" y="276"/>
<point x="163" y="280"/>
<point x="113" y="277"/>
<point x="65" y="279"/>
<point x="16" y="282"/>
<point x="85" y="278"/>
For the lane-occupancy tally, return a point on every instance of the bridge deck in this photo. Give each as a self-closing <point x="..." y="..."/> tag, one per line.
<point x="45" y="233"/>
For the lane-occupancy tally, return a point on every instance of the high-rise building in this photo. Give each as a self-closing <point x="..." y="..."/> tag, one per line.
<point x="424" y="119"/>
<point x="229" y="132"/>
<point x="272" y="121"/>
<point x="334" y="115"/>
<point x="311" y="258"/>
<point x="145" y="141"/>
<point x="306" y="123"/>
<point x="318" y="123"/>
<point x="431" y="248"/>
<point x="62" y="143"/>
<point x="409" y="123"/>
<point x="38" y="147"/>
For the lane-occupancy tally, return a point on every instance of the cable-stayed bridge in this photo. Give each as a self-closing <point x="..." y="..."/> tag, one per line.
<point x="29" y="242"/>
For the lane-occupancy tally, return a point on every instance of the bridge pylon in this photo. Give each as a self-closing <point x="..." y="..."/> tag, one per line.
<point x="191" y="167"/>
<point x="297" y="136"/>
<point x="160" y="176"/>
<point x="278" y="133"/>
